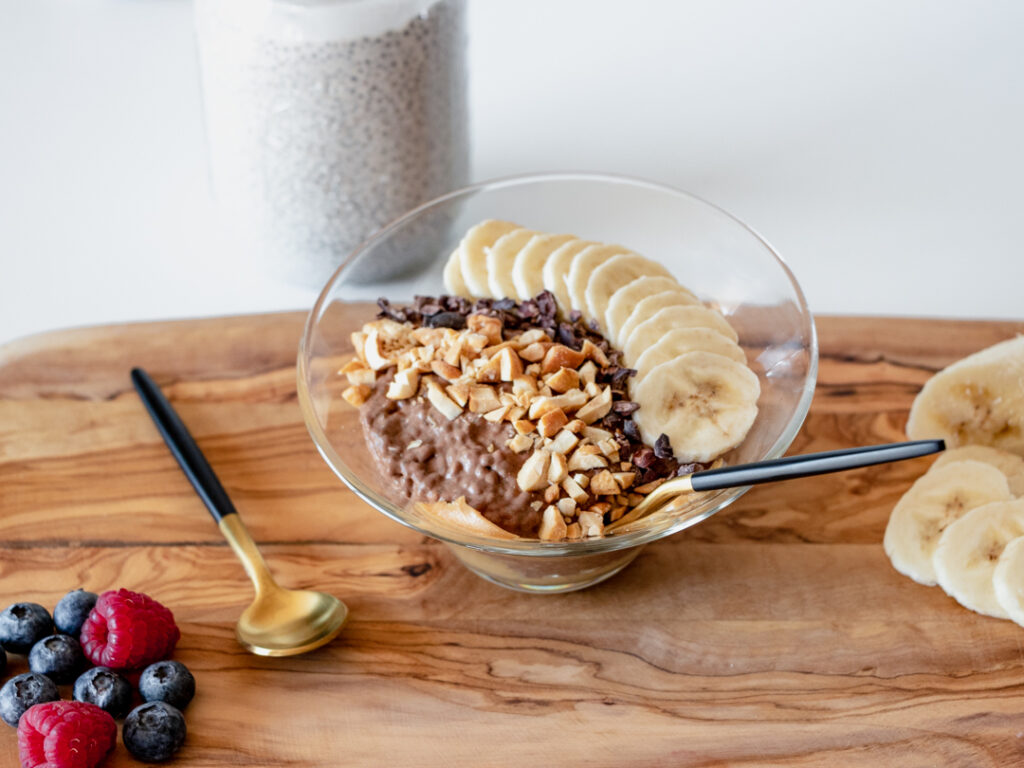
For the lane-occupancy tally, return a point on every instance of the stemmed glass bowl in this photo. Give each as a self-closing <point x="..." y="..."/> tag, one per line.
<point x="721" y="259"/>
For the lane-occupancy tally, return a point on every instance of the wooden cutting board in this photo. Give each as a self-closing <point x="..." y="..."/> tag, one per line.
<point x="774" y="633"/>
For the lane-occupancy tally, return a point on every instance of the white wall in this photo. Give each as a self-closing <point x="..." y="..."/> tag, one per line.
<point x="876" y="143"/>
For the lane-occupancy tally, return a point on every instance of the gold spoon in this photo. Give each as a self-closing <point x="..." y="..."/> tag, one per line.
<point x="280" y="622"/>
<point x="774" y="469"/>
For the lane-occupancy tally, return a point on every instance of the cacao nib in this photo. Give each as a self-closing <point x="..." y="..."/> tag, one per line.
<point x="644" y="457"/>
<point x="546" y="305"/>
<point x="620" y="376"/>
<point x="398" y="314"/>
<point x="662" y="447"/>
<point x="453" y="320"/>
<point x="427" y="305"/>
<point x="455" y="304"/>
<point x="631" y="430"/>
<point x="529" y="309"/>
<point x="567" y="336"/>
<point x="625" y="407"/>
<point x="612" y="421"/>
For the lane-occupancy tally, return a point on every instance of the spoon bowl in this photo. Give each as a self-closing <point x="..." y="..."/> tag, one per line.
<point x="290" y="621"/>
<point x="279" y="622"/>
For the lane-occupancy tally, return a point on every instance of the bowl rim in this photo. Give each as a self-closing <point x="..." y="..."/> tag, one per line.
<point x="536" y="547"/>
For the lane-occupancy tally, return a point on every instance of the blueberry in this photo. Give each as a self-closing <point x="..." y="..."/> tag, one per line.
<point x="3" y="662"/>
<point x="21" y="692"/>
<point x="22" y="625"/>
<point x="59" y="657"/>
<point x="106" y="689"/>
<point x="71" y="611"/>
<point x="168" y="681"/>
<point x="153" y="731"/>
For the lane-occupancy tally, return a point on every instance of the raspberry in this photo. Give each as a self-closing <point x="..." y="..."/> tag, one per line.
<point x="128" y="630"/>
<point x="65" y="734"/>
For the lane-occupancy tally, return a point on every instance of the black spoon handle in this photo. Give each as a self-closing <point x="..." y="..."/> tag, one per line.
<point x="811" y="464"/>
<point x="197" y="469"/>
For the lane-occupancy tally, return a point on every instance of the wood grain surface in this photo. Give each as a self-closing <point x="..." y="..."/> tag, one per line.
<point x="775" y="633"/>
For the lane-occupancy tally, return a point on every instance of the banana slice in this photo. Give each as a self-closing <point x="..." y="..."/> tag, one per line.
<point x="664" y="320"/>
<point x="556" y="269"/>
<point x="927" y="509"/>
<point x="648" y="307"/>
<point x="1008" y="580"/>
<point x="678" y="342"/>
<point x="473" y="258"/>
<point x="624" y="300"/>
<point x="705" y="404"/>
<point x="500" y="258"/>
<point x="1010" y="464"/>
<point x="454" y="284"/>
<point x="581" y="270"/>
<point x="615" y="273"/>
<point x="968" y="550"/>
<point x="976" y="401"/>
<point x="528" y="268"/>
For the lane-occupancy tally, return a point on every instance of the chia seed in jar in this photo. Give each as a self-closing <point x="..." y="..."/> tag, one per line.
<point x="326" y="119"/>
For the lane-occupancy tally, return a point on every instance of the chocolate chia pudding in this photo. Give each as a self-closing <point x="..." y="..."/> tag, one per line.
<point x="430" y="458"/>
<point x="501" y="405"/>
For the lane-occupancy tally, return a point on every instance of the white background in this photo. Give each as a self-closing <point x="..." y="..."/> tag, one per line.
<point x="877" y="144"/>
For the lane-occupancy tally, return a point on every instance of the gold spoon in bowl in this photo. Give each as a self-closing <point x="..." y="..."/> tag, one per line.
<point x="770" y="471"/>
<point x="280" y="622"/>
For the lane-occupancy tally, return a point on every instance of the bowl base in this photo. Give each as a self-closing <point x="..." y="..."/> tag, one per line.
<point x="545" y="575"/>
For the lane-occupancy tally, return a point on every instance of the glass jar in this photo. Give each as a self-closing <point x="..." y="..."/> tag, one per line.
<point x="326" y="119"/>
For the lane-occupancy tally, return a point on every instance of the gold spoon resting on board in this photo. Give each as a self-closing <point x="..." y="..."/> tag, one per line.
<point x="772" y="470"/>
<point x="280" y="622"/>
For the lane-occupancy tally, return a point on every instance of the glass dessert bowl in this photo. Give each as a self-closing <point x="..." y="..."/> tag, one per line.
<point x="727" y="265"/>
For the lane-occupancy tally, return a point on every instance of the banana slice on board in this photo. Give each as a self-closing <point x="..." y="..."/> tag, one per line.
<point x="705" y="404"/>
<point x="969" y="549"/>
<point x="473" y="258"/>
<point x="556" y="270"/>
<point x="500" y="258"/>
<point x="936" y="500"/>
<point x="1008" y="580"/>
<point x="582" y="268"/>
<point x="648" y="307"/>
<point x="1010" y="464"/>
<point x="664" y="320"/>
<point x="678" y="342"/>
<point x="528" y="268"/>
<point x="624" y="300"/>
<point x="978" y="400"/>
<point x="615" y="273"/>
<point x="454" y="284"/>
